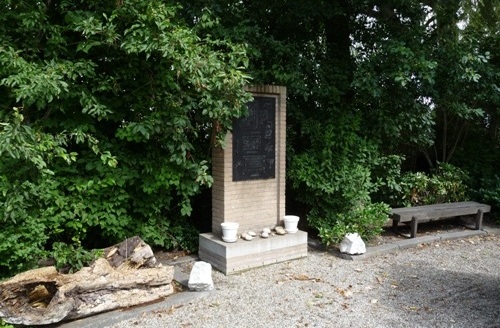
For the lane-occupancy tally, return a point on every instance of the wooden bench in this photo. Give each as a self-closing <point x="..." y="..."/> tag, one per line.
<point x="425" y="213"/>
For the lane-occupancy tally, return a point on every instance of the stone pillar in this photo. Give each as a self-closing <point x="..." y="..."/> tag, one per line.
<point x="249" y="188"/>
<point x="253" y="197"/>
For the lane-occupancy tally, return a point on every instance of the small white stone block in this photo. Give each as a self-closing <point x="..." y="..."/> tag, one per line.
<point x="200" y="279"/>
<point x="352" y="244"/>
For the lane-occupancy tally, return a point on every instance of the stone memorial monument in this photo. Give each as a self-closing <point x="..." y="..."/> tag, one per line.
<point x="249" y="188"/>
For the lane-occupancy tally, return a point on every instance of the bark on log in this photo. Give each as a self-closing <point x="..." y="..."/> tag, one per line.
<point x="44" y="296"/>
<point x="132" y="253"/>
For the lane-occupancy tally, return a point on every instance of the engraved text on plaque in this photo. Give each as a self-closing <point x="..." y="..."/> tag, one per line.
<point x="254" y="141"/>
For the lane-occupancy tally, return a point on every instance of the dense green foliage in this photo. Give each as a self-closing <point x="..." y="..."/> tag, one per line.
<point x="489" y="192"/>
<point x="374" y="88"/>
<point x="108" y="111"/>
<point x="445" y="184"/>
<point x="5" y="325"/>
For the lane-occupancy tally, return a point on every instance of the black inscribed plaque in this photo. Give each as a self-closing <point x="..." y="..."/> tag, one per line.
<point x="254" y="141"/>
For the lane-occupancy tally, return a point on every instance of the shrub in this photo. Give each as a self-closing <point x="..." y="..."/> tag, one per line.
<point x="72" y="257"/>
<point x="95" y="148"/>
<point x="366" y="220"/>
<point x="337" y="178"/>
<point x="5" y="325"/>
<point x="23" y="233"/>
<point x="489" y="192"/>
<point x="445" y="184"/>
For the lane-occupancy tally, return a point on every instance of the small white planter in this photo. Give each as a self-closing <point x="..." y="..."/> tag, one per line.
<point x="291" y="222"/>
<point x="229" y="231"/>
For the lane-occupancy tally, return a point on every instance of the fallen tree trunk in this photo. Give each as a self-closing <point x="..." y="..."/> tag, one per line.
<point x="44" y="296"/>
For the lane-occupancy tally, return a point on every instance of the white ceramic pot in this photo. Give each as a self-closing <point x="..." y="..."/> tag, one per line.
<point x="291" y="222"/>
<point x="229" y="231"/>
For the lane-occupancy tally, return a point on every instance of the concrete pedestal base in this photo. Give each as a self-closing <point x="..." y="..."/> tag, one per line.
<point x="243" y="255"/>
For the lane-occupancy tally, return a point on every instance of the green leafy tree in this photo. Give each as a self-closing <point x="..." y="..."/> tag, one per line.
<point x="107" y="112"/>
<point x="372" y="85"/>
<point x="306" y="45"/>
<point x="108" y="109"/>
<point x="479" y="152"/>
<point x="426" y="80"/>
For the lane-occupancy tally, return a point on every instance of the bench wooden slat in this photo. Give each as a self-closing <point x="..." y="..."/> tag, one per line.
<point x="436" y="212"/>
<point x="439" y="213"/>
<point x="437" y="206"/>
<point x="433" y="206"/>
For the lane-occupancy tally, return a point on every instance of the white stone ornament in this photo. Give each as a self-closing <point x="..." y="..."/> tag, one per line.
<point x="352" y="244"/>
<point x="280" y="230"/>
<point x="246" y="236"/>
<point x="200" y="279"/>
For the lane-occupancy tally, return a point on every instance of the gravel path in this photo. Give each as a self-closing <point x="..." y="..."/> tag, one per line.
<point x="447" y="284"/>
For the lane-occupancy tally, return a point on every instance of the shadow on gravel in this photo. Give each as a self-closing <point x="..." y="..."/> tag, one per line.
<point x="433" y="297"/>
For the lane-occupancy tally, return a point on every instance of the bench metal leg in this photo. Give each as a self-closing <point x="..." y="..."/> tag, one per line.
<point x="479" y="220"/>
<point x="414" y="225"/>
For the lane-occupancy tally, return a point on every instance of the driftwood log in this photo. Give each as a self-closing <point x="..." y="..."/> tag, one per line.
<point x="126" y="276"/>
